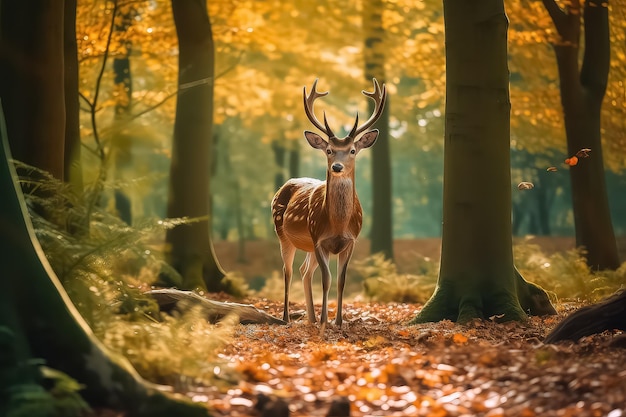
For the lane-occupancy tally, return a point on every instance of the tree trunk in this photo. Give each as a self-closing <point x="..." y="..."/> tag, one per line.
<point x="39" y="321"/>
<point x="72" y="154"/>
<point x="32" y="81"/>
<point x="190" y="245"/>
<point x="122" y="140"/>
<point x="582" y="92"/>
<point x="294" y="160"/>
<point x="381" y="233"/>
<point x="279" y="159"/>
<point x="477" y="278"/>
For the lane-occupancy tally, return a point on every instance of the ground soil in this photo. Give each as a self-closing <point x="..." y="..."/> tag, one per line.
<point x="382" y="366"/>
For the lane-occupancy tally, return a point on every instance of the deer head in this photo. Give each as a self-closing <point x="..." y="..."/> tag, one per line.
<point x="341" y="152"/>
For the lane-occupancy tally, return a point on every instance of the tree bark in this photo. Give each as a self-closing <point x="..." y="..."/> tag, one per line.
<point x="39" y="321"/>
<point x="582" y="92"/>
<point x="477" y="278"/>
<point x="190" y="246"/>
<point x="381" y="233"/>
<point x="32" y="81"/>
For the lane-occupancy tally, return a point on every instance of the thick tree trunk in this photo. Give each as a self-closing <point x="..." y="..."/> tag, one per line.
<point x="582" y="93"/>
<point x="381" y="233"/>
<point x="72" y="155"/>
<point x="190" y="246"/>
<point x="39" y="320"/>
<point x="477" y="278"/>
<point x="32" y="81"/>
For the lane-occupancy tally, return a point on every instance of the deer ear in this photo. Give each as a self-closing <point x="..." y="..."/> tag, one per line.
<point x="366" y="140"/>
<point x="315" y="140"/>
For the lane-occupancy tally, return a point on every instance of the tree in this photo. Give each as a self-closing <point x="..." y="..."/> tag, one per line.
<point x="582" y="91"/>
<point x="72" y="164"/>
<point x="381" y="234"/>
<point x="477" y="278"/>
<point x="32" y="82"/>
<point x="122" y="140"/>
<point x="38" y="321"/>
<point x="190" y="245"/>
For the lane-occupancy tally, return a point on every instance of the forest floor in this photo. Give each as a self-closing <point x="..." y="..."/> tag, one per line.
<point x="383" y="367"/>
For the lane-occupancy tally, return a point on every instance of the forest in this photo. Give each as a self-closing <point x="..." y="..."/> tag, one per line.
<point x="165" y="191"/>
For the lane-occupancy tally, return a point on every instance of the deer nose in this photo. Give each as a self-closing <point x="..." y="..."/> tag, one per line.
<point x="337" y="167"/>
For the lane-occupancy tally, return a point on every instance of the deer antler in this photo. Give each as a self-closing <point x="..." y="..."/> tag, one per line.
<point x="308" y="109"/>
<point x="379" y="96"/>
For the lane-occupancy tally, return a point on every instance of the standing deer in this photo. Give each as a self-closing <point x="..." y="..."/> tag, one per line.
<point x="324" y="217"/>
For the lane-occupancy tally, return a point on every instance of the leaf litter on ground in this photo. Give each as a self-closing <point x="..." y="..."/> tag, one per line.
<point x="384" y="367"/>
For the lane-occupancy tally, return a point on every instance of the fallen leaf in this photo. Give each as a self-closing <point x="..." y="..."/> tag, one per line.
<point x="459" y="339"/>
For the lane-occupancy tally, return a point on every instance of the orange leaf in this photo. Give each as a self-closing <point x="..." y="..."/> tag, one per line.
<point x="459" y="339"/>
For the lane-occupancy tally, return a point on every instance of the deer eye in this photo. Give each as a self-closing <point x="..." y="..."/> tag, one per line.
<point x="328" y="151"/>
<point x="352" y="151"/>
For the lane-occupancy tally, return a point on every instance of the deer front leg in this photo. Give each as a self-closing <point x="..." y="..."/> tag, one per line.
<point x="288" y="252"/>
<point x="322" y="256"/>
<point x="342" y="269"/>
<point x="307" y="269"/>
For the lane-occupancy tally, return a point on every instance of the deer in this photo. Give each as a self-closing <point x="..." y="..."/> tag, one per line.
<point x="324" y="217"/>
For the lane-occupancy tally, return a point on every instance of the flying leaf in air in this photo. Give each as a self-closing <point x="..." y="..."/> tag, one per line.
<point x="525" y="185"/>
<point x="583" y="153"/>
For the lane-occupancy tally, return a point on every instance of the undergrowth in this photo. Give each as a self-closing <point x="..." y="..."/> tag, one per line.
<point x="567" y="274"/>
<point x="105" y="266"/>
<point x="382" y="282"/>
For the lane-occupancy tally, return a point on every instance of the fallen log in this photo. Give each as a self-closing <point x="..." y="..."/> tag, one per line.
<point x="170" y="299"/>
<point x="609" y="314"/>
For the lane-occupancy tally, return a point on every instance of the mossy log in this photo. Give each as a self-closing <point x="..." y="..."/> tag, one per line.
<point x="609" y="314"/>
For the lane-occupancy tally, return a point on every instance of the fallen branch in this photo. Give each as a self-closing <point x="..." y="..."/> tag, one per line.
<point x="171" y="299"/>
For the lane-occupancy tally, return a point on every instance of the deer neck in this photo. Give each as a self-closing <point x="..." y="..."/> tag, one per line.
<point x="340" y="199"/>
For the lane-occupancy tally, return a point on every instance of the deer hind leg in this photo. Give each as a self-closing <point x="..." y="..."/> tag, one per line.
<point x="322" y="256"/>
<point x="288" y="252"/>
<point x="342" y="269"/>
<point x="307" y="269"/>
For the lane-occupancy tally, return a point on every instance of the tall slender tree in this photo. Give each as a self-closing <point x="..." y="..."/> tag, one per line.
<point x="477" y="278"/>
<point x="72" y="156"/>
<point x="190" y="245"/>
<point x="381" y="233"/>
<point x="121" y="148"/>
<point x="582" y="92"/>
